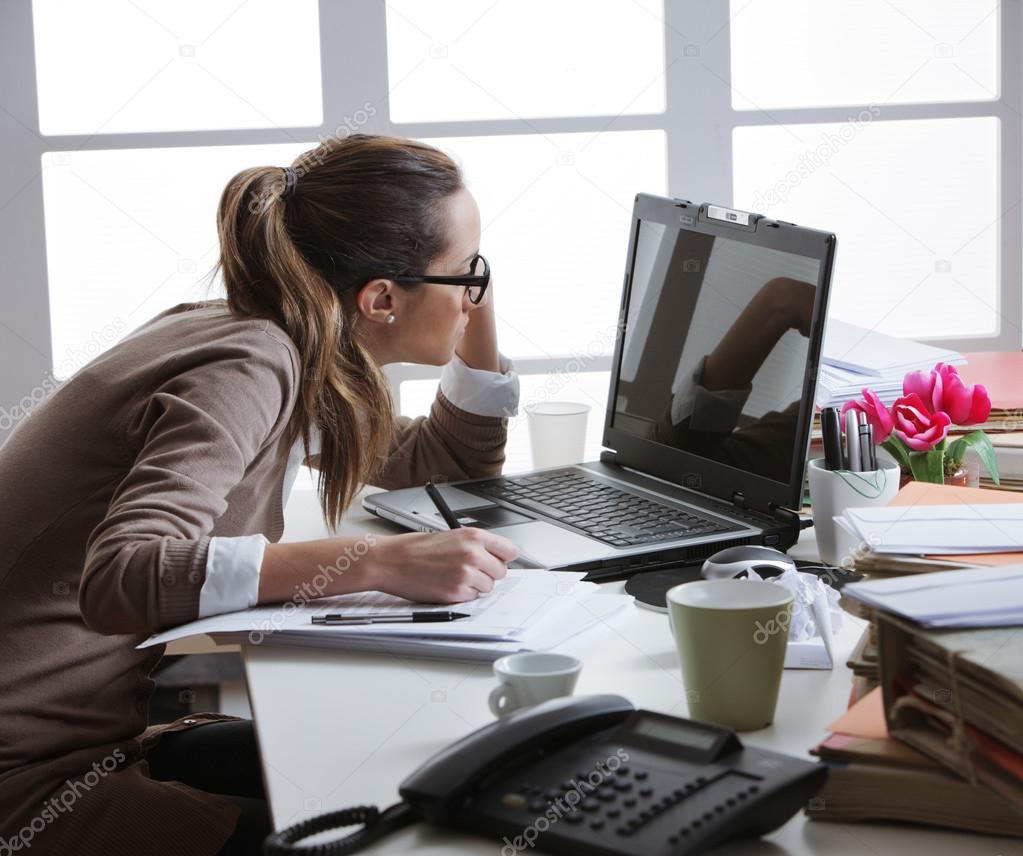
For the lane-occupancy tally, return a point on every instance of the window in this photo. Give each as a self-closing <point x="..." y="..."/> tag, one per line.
<point x="530" y="58"/>
<point x="107" y="66"/>
<point x="132" y="232"/>
<point x="915" y="255"/>
<point x="886" y="123"/>
<point x="897" y="126"/>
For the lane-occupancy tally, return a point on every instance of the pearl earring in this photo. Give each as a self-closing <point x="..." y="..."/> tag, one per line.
<point x="391" y="318"/>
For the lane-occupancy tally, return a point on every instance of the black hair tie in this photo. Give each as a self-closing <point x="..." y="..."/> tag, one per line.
<point x="290" y="180"/>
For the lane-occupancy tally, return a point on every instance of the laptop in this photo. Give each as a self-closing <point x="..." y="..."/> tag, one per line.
<point x="707" y="424"/>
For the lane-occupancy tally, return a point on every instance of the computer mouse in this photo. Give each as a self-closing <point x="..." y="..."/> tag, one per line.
<point x="732" y="561"/>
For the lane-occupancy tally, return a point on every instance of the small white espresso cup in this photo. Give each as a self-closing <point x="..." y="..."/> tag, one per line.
<point x="530" y="678"/>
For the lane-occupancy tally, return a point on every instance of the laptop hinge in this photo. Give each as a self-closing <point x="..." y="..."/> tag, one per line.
<point x="607" y="457"/>
<point x="789" y="516"/>
<point x="738" y="499"/>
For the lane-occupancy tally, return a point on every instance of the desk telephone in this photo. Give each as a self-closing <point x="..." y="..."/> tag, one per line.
<point x="589" y="774"/>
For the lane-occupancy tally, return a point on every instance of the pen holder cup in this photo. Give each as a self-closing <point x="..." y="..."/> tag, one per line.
<point x="833" y="491"/>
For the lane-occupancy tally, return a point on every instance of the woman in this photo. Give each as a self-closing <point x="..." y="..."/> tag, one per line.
<point x="148" y="490"/>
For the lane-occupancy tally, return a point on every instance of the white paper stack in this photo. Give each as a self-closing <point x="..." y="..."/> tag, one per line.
<point x="976" y="597"/>
<point x="856" y="357"/>
<point x="937" y="529"/>
<point x="528" y="610"/>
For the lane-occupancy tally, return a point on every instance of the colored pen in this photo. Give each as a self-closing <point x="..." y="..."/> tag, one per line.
<point x="852" y="442"/>
<point x="338" y="618"/>
<point x="442" y="506"/>
<point x="832" y="438"/>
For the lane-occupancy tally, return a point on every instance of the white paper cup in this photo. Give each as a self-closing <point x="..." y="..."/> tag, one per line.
<point x="530" y="678"/>
<point x="833" y="491"/>
<point x="557" y="432"/>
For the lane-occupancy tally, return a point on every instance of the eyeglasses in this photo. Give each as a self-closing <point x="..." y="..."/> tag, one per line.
<point x="475" y="282"/>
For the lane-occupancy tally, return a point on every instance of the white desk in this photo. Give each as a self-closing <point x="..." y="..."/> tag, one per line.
<point x="338" y="729"/>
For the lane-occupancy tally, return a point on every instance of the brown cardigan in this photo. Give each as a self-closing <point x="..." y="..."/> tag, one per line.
<point x="110" y="491"/>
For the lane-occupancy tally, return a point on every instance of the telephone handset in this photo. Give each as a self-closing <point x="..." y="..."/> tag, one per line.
<point x="589" y="774"/>
<point x="438" y="787"/>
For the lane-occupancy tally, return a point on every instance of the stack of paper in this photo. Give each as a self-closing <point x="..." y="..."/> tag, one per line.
<point x="940" y="529"/>
<point x="528" y="610"/>
<point x="916" y="494"/>
<point x="972" y="597"/>
<point x="856" y="357"/>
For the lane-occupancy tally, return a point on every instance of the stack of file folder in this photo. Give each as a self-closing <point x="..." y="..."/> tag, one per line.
<point x="528" y="610"/>
<point x="875" y="777"/>
<point x="957" y="697"/>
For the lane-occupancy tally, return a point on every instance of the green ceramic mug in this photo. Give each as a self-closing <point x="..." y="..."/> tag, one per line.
<point x="731" y="637"/>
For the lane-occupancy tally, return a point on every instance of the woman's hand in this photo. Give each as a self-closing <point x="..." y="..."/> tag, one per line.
<point x="478" y="346"/>
<point x="441" y="567"/>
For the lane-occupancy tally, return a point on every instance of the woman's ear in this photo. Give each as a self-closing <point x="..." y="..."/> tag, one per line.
<point x="376" y="300"/>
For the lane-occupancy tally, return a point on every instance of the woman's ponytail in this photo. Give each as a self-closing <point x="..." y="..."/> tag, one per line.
<point x="362" y="207"/>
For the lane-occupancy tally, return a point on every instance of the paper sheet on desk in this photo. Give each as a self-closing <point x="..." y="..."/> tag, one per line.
<point x="972" y="597"/>
<point x="588" y="611"/>
<point x="940" y="529"/>
<point x="522" y="599"/>
<point x="923" y="493"/>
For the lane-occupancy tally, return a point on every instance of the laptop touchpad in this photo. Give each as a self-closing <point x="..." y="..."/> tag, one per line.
<point x="489" y="517"/>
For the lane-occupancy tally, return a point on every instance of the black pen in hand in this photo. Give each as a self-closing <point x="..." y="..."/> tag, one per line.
<point x="442" y="506"/>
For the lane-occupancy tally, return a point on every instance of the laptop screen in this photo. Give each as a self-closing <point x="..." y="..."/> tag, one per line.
<point x="715" y="348"/>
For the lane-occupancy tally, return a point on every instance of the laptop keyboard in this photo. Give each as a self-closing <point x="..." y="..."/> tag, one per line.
<point x="600" y="510"/>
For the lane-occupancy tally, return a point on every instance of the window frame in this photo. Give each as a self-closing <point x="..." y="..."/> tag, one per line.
<point x="354" y="71"/>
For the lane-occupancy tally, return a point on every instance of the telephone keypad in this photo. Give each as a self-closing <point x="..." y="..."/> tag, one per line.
<point x="634" y="802"/>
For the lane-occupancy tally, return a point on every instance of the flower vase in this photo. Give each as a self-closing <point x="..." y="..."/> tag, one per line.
<point x="959" y="477"/>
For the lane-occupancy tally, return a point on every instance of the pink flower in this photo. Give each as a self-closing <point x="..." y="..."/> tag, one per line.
<point x="877" y="414"/>
<point x="943" y="391"/>
<point x="916" y="426"/>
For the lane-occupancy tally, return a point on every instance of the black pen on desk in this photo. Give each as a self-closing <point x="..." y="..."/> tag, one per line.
<point x="832" y="436"/>
<point x="339" y="618"/>
<point x="442" y="506"/>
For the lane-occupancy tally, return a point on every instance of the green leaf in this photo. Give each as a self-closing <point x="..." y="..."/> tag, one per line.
<point x="981" y="444"/>
<point x="895" y="448"/>
<point x="956" y="451"/>
<point x="928" y="466"/>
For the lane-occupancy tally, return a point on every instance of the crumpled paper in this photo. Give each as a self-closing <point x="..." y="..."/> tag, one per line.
<point x="815" y="611"/>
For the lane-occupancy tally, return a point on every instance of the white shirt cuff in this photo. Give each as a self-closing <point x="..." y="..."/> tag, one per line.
<point x="481" y="392"/>
<point x="232" y="574"/>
